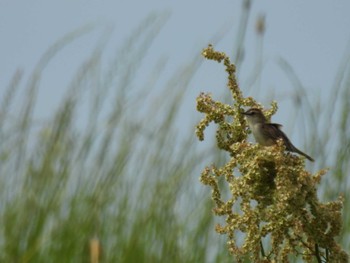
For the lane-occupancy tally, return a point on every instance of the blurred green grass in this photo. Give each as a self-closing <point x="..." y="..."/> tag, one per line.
<point x="127" y="179"/>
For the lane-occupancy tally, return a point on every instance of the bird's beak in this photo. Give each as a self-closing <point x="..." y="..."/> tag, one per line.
<point x="244" y="113"/>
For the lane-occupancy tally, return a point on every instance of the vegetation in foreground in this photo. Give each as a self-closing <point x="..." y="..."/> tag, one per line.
<point x="122" y="186"/>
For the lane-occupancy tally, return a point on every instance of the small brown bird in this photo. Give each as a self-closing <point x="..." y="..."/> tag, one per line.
<point x="266" y="133"/>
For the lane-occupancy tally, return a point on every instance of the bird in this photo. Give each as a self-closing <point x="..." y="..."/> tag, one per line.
<point x="267" y="134"/>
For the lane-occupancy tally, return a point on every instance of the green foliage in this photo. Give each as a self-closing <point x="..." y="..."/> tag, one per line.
<point x="113" y="189"/>
<point x="272" y="195"/>
<point x="121" y="186"/>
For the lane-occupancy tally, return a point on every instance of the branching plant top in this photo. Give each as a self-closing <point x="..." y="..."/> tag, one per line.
<point x="273" y="213"/>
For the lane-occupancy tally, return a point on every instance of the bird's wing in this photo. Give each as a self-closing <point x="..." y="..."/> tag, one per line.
<point x="277" y="125"/>
<point x="274" y="130"/>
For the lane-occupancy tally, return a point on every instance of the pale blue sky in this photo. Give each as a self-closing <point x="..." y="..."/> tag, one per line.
<point x="311" y="35"/>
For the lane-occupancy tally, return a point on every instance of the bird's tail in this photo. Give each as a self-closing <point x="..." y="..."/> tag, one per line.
<point x="303" y="154"/>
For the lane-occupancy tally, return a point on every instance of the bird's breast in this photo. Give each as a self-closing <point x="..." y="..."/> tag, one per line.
<point x="261" y="136"/>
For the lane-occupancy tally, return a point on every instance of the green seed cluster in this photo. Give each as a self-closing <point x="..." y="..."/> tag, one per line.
<point x="273" y="202"/>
